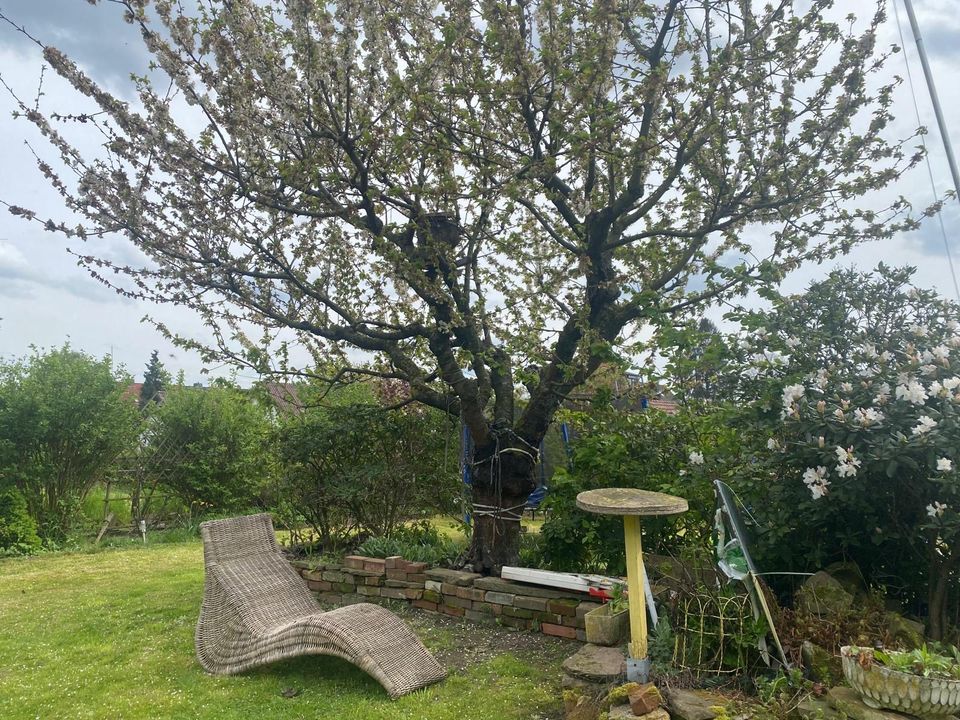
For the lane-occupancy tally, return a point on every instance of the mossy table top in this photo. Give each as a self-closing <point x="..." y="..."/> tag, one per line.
<point x="630" y="501"/>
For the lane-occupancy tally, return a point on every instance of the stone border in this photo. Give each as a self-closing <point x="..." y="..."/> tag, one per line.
<point x="452" y="592"/>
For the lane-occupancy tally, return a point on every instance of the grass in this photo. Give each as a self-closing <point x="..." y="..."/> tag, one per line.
<point x="110" y="635"/>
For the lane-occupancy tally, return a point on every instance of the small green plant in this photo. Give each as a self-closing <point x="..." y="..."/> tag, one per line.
<point x="618" y="599"/>
<point x="18" y="531"/>
<point x="923" y="661"/>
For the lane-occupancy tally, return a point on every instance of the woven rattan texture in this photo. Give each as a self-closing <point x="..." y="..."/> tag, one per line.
<point x="256" y="610"/>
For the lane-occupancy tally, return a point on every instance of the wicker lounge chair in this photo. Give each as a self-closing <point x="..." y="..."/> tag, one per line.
<point x="256" y="609"/>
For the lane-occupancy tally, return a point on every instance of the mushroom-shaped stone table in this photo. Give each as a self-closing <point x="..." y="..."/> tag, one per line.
<point x="632" y="504"/>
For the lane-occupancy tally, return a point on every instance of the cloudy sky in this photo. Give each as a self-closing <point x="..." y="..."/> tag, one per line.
<point x="45" y="299"/>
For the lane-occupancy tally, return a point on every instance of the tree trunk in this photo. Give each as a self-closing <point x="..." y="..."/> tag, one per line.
<point x="502" y="480"/>
<point x="941" y="570"/>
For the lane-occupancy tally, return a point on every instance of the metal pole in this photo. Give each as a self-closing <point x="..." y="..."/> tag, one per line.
<point x="951" y="160"/>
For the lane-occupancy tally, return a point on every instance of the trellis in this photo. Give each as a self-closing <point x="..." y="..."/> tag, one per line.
<point x="714" y="633"/>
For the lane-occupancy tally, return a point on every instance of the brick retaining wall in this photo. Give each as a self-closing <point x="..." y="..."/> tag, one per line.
<point x="452" y="592"/>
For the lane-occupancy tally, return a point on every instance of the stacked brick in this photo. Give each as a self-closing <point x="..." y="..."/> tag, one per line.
<point x="451" y="592"/>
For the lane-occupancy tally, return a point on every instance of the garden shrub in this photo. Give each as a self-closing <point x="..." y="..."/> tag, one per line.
<point x="63" y="424"/>
<point x="224" y="458"/>
<point x="650" y="450"/>
<point x="852" y="416"/>
<point x="18" y="531"/>
<point x="360" y="468"/>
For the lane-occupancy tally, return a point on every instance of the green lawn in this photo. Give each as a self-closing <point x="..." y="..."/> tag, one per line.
<point x="110" y="635"/>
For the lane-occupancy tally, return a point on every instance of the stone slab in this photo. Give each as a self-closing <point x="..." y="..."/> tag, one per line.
<point x="514" y="588"/>
<point x="847" y="702"/>
<point x="596" y="664"/>
<point x="693" y="704"/>
<point x="454" y="577"/>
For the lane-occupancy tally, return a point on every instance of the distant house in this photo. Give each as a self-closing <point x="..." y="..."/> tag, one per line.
<point x="627" y="392"/>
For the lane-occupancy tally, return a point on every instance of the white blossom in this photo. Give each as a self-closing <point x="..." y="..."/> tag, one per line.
<point x="925" y="424"/>
<point x="928" y="369"/>
<point x="846" y="387"/>
<point x="816" y="481"/>
<point x="936" y="509"/>
<point x="912" y="391"/>
<point x="886" y="356"/>
<point x="772" y="444"/>
<point x="941" y="352"/>
<point x="944" y="464"/>
<point x="936" y="389"/>
<point x="791" y="393"/>
<point x="869" y="350"/>
<point x="867" y="416"/>
<point x="847" y="463"/>
<point x="883" y="394"/>
<point x="792" y="342"/>
<point x="919" y="330"/>
<point x="696" y="458"/>
<point x="951" y="383"/>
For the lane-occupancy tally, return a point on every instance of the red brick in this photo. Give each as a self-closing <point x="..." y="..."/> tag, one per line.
<point x="391" y="563"/>
<point x="425" y="605"/>
<point x="454" y="611"/>
<point x="417" y="577"/>
<point x="412" y="567"/>
<point x="412" y="593"/>
<point x="319" y="585"/>
<point x="374" y="564"/>
<point x="559" y="631"/>
<point x="354" y="561"/>
<point x="469" y="593"/>
<point x="397" y="575"/>
<point x="376" y="581"/>
<point x="563" y="606"/>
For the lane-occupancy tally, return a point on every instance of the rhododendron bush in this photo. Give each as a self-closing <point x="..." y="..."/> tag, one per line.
<point x="853" y="409"/>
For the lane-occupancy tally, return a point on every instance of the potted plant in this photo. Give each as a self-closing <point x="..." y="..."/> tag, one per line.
<point x="919" y="682"/>
<point x="608" y="624"/>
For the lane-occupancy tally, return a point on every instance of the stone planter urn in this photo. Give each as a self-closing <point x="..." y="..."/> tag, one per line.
<point x="882" y="687"/>
<point x="605" y="627"/>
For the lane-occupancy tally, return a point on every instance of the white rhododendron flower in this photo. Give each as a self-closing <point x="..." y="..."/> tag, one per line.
<point x="936" y="509"/>
<point x="951" y="383"/>
<point x="919" y="330"/>
<point x="935" y="388"/>
<point x="883" y="394"/>
<point x="928" y="369"/>
<point x="869" y="349"/>
<point x="944" y="464"/>
<point x="772" y="444"/>
<point x="941" y="352"/>
<point x="911" y="391"/>
<point x="886" y="356"/>
<point x="816" y="481"/>
<point x="867" y="416"/>
<point x="846" y="387"/>
<point x="847" y="464"/>
<point x="792" y="343"/>
<point x="696" y="458"/>
<point x="925" y="424"/>
<point x="791" y="393"/>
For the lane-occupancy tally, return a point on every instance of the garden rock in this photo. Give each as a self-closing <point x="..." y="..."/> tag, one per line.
<point x="645" y="699"/>
<point x="849" y="575"/>
<point x="846" y="701"/>
<point x="824" y="596"/>
<point x="693" y="704"/>
<point x="596" y="664"/>
<point x="819" y="664"/>
<point x="813" y="708"/>
<point x="908" y="633"/>
<point x="580" y="707"/>
<point x="623" y="712"/>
